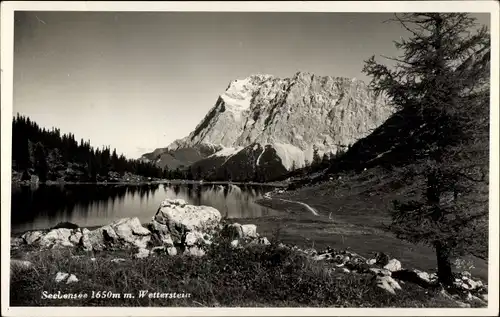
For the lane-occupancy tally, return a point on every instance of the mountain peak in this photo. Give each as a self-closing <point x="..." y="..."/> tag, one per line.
<point x="294" y="117"/>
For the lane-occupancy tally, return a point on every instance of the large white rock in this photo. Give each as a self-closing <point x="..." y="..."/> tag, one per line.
<point x="85" y="240"/>
<point x="238" y="231"/>
<point x="249" y="231"/>
<point x="75" y="237"/>
<point x="61" y="276"/>
<point x="71" y="279"/>
<point x="429" y="278"/>
<point x="56" y="238"/>
<point x="125" y="228"/>
<point x="173" y="202"/>
<point x="388" y="283"/>
<point x="32" y="236"/>
<point x="393" y="265"/>
<point x="371" y="261"/>
<point x="181" y="218"/>
<point x="162" y="233"/>
<point x="171" y="251"/>
<point x="128" y="231"/>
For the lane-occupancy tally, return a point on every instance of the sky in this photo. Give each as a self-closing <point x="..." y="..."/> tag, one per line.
<point x="137" y="81"/>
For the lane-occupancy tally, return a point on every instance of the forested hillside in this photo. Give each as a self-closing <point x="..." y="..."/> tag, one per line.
<point x="51" y="156"/>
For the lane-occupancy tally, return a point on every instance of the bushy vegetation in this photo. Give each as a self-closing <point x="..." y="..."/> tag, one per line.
<point x="261" y="276"/>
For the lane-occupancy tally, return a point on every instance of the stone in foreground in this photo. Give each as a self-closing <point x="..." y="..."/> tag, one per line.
<point x="393" y="265"/>
<point x="71" y="279"/>
<point x="387" y="283"/>
<point x="181" y="218"/>
<point x="20" y="265"/>
<point x="61" y="276"/>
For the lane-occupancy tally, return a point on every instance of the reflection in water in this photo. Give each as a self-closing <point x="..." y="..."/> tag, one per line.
<point x="37" y="207"/>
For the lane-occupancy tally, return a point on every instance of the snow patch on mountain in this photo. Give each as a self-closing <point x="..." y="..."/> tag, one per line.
<point x="258" y="158"/>
<point x="290" y="155"/>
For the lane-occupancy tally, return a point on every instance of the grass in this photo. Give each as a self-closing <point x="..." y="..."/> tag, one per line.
<point x="261" y="276"/>
<point x="353" y="214"/>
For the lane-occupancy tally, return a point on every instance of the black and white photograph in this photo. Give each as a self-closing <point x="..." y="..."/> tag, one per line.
<point x="196" y="155"/>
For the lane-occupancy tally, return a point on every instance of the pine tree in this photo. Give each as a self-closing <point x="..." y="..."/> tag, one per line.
<point x="41" y="166"/>
<point x="316" y="158"/>
<point x="326" y="160"/>
<point x="441" y="84"/>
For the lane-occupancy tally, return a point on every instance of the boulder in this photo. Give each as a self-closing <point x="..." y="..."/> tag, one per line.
<point x="60" y="276"/>
<point x="16" y="242"/>
<point x="85" y="241"/>
<point x="75" y="237"/>
<point x="143" y="253"/>
<point x="260" y="241"/>
<point x="173" y="202"/>
<point x="171" y="251"/>
<point x="161" y="233"/>
<point x="20" y="265"/>
<point x="381" y="258"/>
<point x="371" y="261"/>
<point x="423" y="275"/>
<point x="181" y="218"/>
<point x="249" y="231"/>
<point x="422" y="279"/>
<point x="196" y="238"/>
<point x="71" y="279"/>
<point x="56" y="238"/>
<point x="125" y="231"/>
<point x="194" y="251"/>
<point x="232" y="231"/>
<point x="130" y="230"/>
<point x="473" y="284"/>
<point x="264" y="241"/>
<point x="393" y="265"/>
<point x="164" y="250"/>
<point x="238" y="231"/>
<point x="32" y="236"/>
<point x="95" y="239"/>
<point x="380" y="272"/>
<point x="387" y="283"/>
<point x="235" y="243"/>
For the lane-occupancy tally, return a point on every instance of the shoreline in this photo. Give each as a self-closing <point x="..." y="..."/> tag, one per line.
<point x="173" y="182"/>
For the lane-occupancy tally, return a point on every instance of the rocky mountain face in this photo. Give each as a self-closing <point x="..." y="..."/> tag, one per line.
<point x="262" y="126"/>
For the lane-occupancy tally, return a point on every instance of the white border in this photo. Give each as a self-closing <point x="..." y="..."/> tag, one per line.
<point x="7" y="10"/>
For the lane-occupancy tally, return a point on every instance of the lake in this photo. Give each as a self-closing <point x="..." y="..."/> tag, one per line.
<point x="43" y="206"/>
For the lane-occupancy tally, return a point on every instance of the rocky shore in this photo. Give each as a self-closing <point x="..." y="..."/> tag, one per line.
<point x="181" y="230"/>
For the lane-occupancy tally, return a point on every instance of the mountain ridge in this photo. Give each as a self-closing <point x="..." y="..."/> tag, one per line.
<point x="295" y="116"/>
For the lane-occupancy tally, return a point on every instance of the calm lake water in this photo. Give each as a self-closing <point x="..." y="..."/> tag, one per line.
<point x="43" y="206"/>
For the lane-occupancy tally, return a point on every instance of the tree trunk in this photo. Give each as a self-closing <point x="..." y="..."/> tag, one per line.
<point x="445" y="276"/>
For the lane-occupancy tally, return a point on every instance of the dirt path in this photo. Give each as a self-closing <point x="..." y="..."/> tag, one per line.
<point x="311" y="209"/>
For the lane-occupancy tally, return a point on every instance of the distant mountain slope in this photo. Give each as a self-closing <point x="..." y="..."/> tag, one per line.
<point x="265" y="126"/>
<point x="181" y="157"/>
